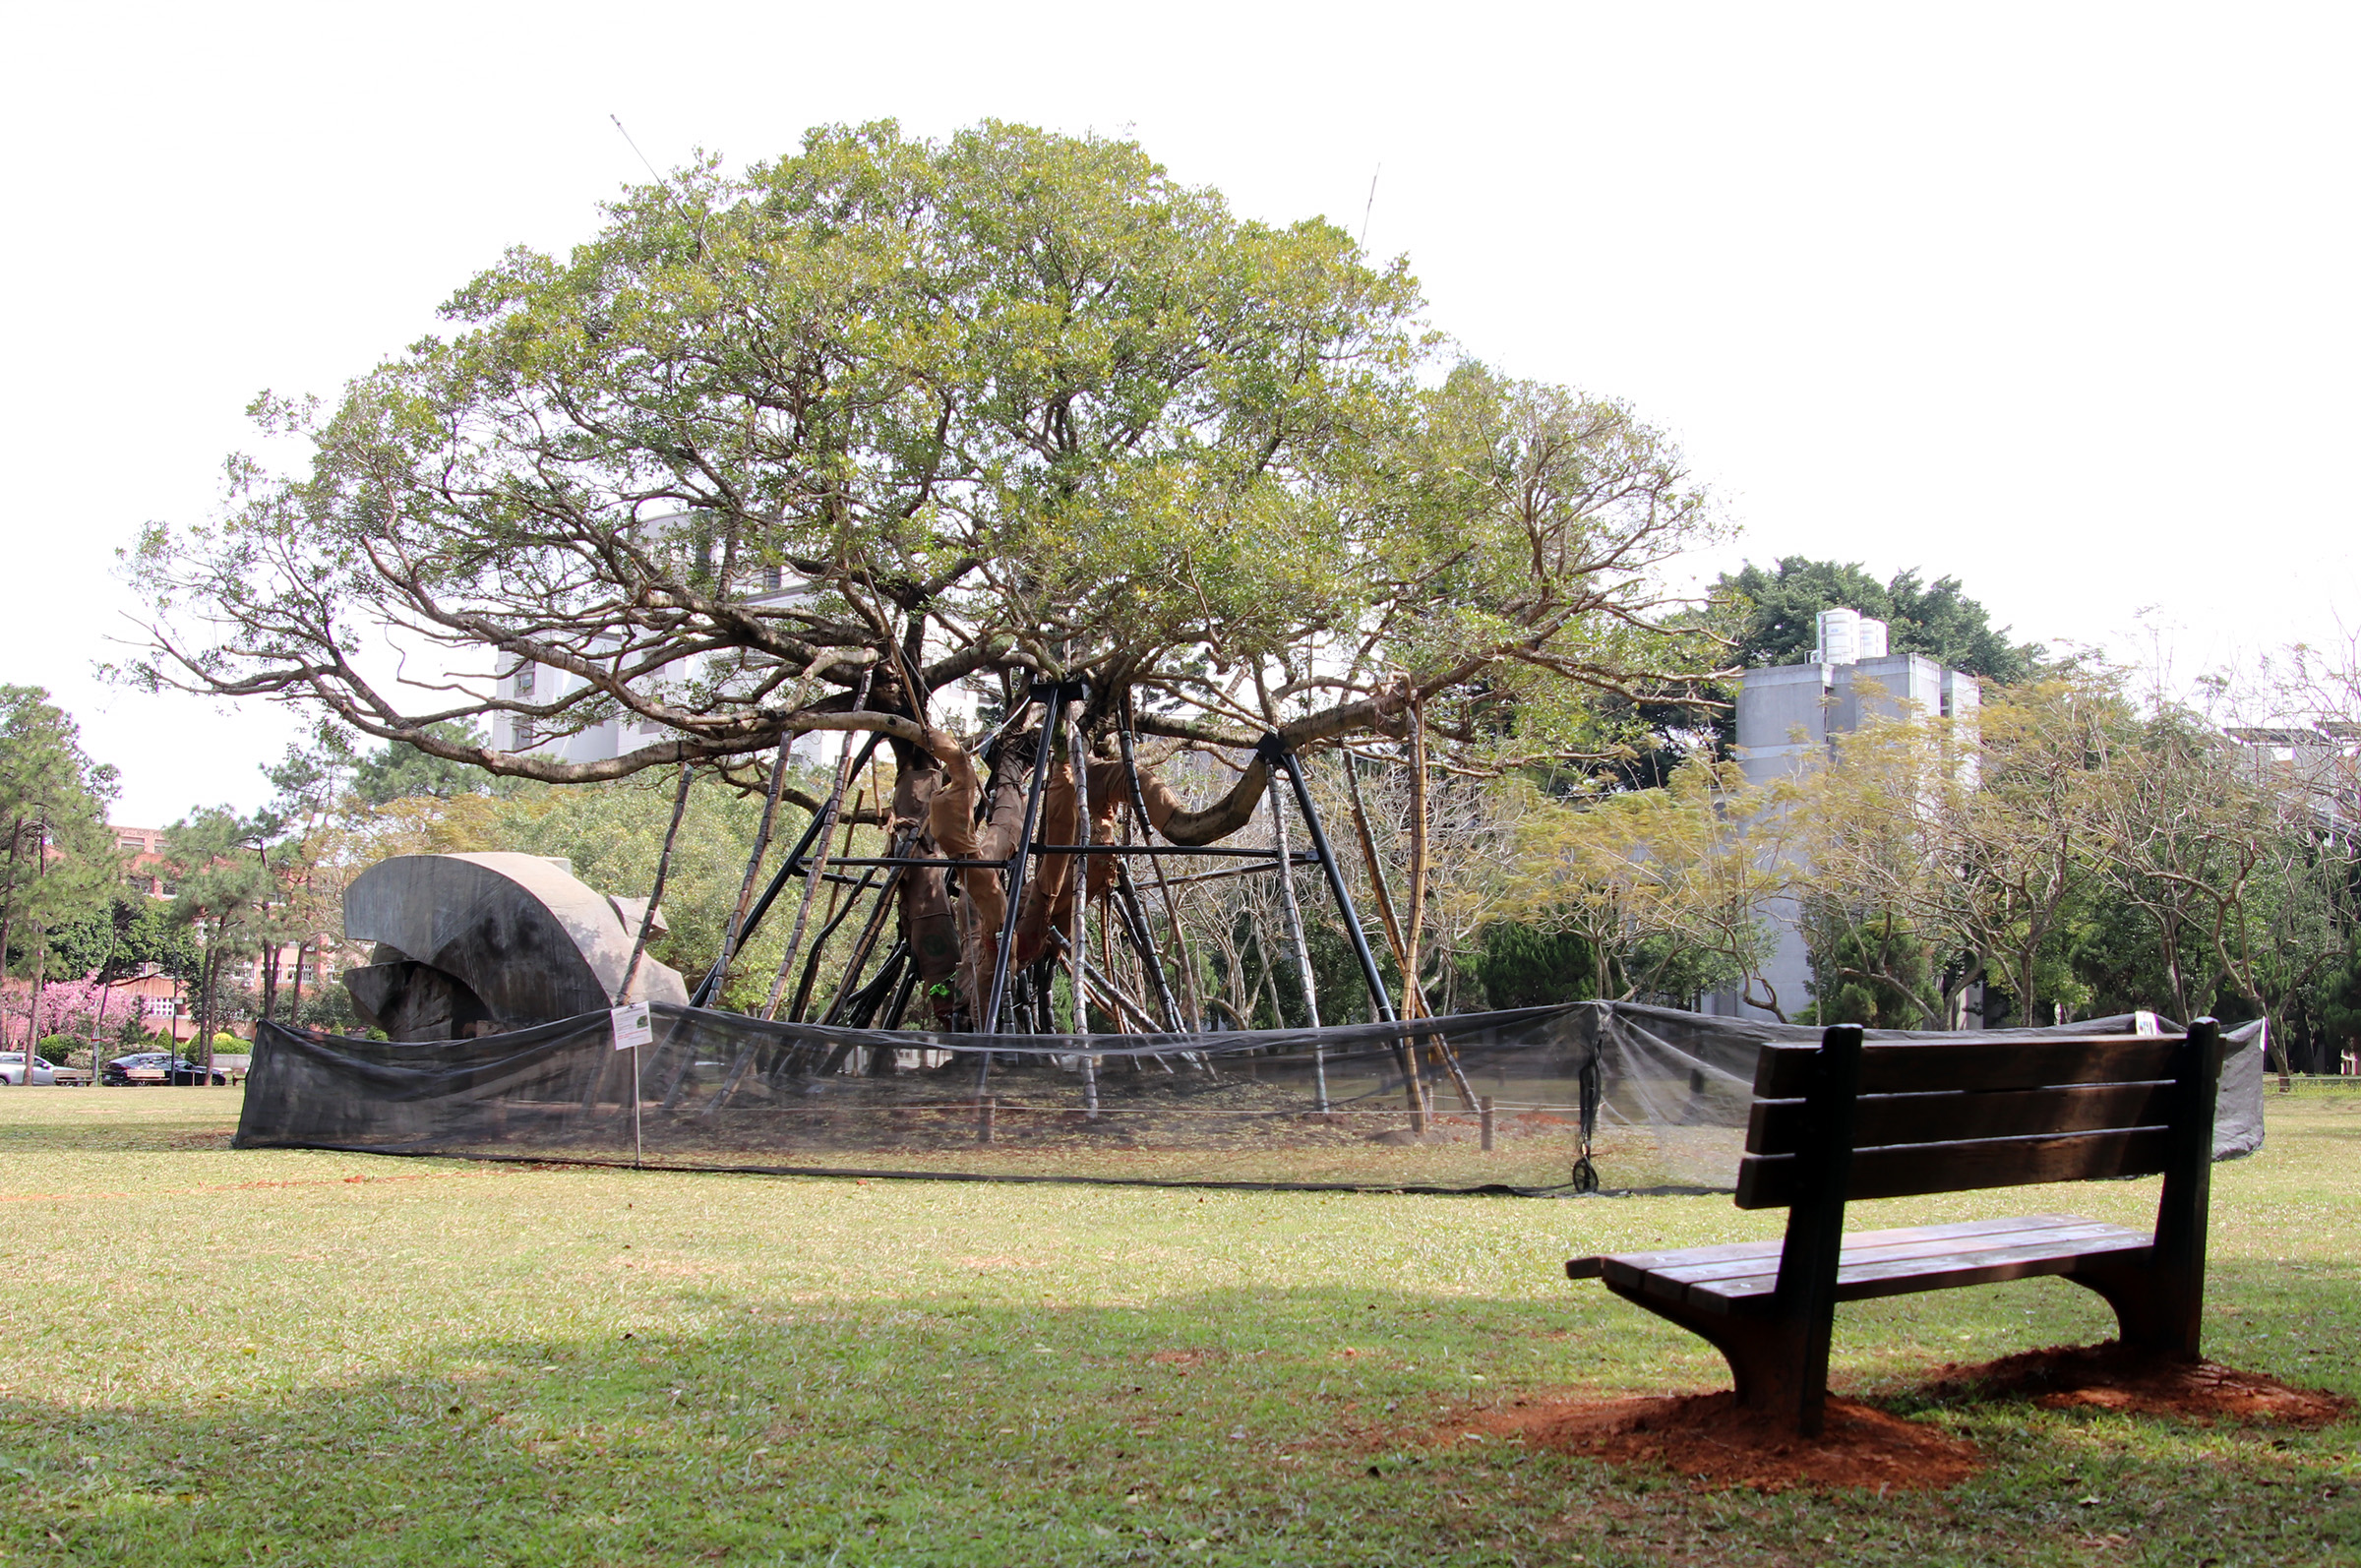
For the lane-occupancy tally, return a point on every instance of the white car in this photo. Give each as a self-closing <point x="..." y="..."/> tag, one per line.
<point x="12" y="1070"/>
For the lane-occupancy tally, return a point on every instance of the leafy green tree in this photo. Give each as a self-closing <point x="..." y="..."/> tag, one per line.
<point x="1878" y="973"/>
<point x="225" y="891"/>
<point x="1780" y="607"/>
<point x="398" y="770"/>
<point x="1670" y="890"/>
<point x="59" y="860"/>
<point x="808" y="446"/>
<point x="1011" y="407"/>
<point x="1524" y="966"/>
<point x="2340" y="997"/>
<point x="123" y="939"/>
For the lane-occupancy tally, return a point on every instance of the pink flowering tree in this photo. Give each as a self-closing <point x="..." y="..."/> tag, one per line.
<point x="83" y="1008"/>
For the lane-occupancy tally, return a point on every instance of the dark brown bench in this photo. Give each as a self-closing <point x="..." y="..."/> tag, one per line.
<point x="1842" y="1121"/>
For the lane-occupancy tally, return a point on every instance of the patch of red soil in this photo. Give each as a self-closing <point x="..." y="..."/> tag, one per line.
<point x="1709" y="1441"/>
<point x="1713" y="1445"/>
<point x="2110" y="1377"/>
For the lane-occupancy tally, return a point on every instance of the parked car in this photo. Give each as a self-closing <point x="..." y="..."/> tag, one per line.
<point x="157" y="1067"/>
<point x="141" y="1066"/>
<point x="12" y="1070"/>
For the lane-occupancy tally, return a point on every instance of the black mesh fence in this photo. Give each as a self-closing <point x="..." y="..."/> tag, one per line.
<point x="1490" y="1101"/>
<point x="1541" y="1099"/>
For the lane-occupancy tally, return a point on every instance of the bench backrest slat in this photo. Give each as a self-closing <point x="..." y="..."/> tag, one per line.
<point x="1778" y="1125"/>
<point x="1898" y="1067"/>
<point x="1952" y="1115"/>
<point x="1908" y="1169"/>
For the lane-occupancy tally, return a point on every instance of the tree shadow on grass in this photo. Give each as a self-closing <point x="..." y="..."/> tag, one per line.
<point x="1289" y="1426"/>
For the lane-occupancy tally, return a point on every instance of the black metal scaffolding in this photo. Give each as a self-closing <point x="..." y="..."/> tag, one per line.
<point x="1130" y="918"/>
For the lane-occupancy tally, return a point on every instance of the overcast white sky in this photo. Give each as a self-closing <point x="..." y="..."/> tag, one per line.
<point x="2058" y="298"/>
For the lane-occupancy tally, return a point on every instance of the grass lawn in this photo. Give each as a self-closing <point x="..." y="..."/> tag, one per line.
<point x="214" y="1356"/>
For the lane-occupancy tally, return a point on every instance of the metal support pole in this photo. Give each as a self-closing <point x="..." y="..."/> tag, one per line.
<point x="1274" y="751"/>
<point x="1295" y="933"/>
<point x="1172" y="910"/>
<point x="1052" y="698"/>
<point x="845" y="770"/>
<point x="705" y="987"/>
<point x="1078" y="752"/>
<point x="1135" y="927"/>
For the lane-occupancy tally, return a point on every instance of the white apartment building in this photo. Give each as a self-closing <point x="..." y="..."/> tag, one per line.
<point x="1789" y="719"/>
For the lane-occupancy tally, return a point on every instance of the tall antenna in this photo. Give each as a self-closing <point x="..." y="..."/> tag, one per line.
<point x="662" y="184"/>
<point x="1365" y="211"/>
<point x="652" y="168"/>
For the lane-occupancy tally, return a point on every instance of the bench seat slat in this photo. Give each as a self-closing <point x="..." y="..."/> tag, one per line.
<point x="1589" y="1268"/>
<point x="1858" y="1254"/>
<point x="1881" y="1262"/>
<point x="1856" y="1282"/>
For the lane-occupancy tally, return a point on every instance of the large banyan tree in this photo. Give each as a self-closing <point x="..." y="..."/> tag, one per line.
<point x="1015" y="413"/>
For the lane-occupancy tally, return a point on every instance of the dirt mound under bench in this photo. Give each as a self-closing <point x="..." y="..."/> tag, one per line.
<point x="1707" y="1440"/>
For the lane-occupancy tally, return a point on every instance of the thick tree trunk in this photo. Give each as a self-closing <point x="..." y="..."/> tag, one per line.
<point x="208" y="973"/>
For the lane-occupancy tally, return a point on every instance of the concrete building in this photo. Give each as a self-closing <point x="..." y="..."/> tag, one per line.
<point x="1790" y="717"/>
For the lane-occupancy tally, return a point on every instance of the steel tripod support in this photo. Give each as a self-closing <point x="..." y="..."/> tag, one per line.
<point x="1053" y="699"/>
<point x="705" y="987"/>
<point x="1275" y="752"/>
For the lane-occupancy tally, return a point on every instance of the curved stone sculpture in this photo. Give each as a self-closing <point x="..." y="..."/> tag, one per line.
<point x="470" y="945"/>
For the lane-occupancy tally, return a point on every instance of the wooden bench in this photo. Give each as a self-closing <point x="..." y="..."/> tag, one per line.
<point x="1846" y="1120"/>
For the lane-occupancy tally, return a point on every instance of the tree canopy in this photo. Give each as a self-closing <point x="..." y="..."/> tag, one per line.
<point x="398" y="770"/>
<point x="59" y="862"/>
<point x="1936" y="619"/>
<point x="1006" y="407"/>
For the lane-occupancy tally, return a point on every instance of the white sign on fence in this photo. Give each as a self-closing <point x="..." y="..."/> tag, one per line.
<point x="632" y="1027"/>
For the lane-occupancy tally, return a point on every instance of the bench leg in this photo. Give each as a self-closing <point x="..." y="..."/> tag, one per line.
<point x="2153" y="1312"/>
<point x="1769" y="1358"/>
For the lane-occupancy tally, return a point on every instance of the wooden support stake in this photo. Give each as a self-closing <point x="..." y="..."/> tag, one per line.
<point x="1484" y="1121"/>
<point x="986" y="1109"/>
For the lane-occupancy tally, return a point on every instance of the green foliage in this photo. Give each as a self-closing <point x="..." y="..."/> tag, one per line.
<point x="327" y="1007"/>
<point x="397" y="770"/>
<point x="2340" y="995"/>
<point x="1936" y="619"/>
<point x="1020" y="402"/>
<point x="1878" y="973"/>
<point x="132" y="931"/>
<point x="58" y="861"/>
<point x="1670" y="888"/>
<point x="1524" y="966"/>
<point x="221" y="875"/>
